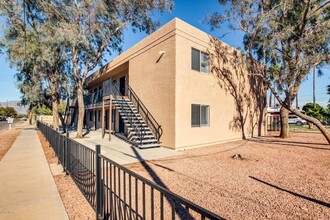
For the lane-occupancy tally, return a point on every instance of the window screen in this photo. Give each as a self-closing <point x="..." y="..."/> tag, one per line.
<point x="205" y="115"/>
<point x="204" y="62"/>
<point x="195" y="59"/>
<point x="195" y="115"/>
<point x="199" y="61"/>
<point x="200" y="115"/>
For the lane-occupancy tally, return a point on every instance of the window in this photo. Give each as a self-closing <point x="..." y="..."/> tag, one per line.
<point x="199" y="61"/>
<point x="99" y="115"/>
<point x="200" y="115"/>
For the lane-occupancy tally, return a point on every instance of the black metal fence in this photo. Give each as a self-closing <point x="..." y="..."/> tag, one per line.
<point x="114" y="191"/>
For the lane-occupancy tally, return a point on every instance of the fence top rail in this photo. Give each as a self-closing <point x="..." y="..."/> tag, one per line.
<point x="166" y="192"/>
<point x="161" y="189"/>
<point x="70" y="139"/>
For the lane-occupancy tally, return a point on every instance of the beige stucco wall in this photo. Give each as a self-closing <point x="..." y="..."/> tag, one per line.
<point x="193" y="87"/>
<point x="154" y="82"/>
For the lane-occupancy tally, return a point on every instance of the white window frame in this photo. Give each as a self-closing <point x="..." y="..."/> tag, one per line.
<point x="200" y="61"/>
<point x="200" y="116"/>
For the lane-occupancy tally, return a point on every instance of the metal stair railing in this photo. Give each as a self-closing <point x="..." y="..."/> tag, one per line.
<point x="139" y="133"/>
<point x="145" y="114"/>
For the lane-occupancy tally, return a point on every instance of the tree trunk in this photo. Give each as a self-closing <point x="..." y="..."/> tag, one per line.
<point x="314" y="121"/>
<point x="81" y="110"/>
<point x="284" y="113"/>
<point x="30" y="117"/>
<point x="55" y="113"/>
<point x="297" y="102"/>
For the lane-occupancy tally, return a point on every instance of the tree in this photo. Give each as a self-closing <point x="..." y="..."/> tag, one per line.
<point x="2" y="111"/>
<point x="41" y="62"/>
<point x="9" y="112"/>
<point x="315" y="110"/>
<point x="90" y="28"/>
<point x="293" y="35"/>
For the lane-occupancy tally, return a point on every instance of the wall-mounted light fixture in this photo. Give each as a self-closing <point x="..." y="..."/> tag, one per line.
<point x="161" y="54"/>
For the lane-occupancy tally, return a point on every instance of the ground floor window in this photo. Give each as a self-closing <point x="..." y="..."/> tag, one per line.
<point x="91" y="115"/>
<point x="200" y="115"/>
<point x="99" y="115"/>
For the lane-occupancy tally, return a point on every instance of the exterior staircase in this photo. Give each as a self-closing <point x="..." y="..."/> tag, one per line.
<point x="138" y="131"/>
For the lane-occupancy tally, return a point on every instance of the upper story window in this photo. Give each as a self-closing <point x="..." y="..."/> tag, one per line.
<point x="199" y="61"/>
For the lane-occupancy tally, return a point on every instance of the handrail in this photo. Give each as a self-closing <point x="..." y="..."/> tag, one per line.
<point x="116" y="92"/>
<point x="145" y="114"/>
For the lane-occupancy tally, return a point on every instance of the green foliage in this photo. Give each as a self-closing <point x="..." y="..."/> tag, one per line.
<point x="41" y="62"/>
<point x="61" y="107"/>
<point x="8" y="112"/>
<point x="2" y="111"/>
<point x="319" y="112"/>
<point x="43" y="110"/>
<point x="21" y="115"/>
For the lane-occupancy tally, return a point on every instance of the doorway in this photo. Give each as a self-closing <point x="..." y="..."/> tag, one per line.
<point x="121" y="125"/>
<point x="106" y="119"/>
<point x="122" y="85"/>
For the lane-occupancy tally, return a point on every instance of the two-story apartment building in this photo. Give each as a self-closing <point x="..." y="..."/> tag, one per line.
<point x="162" y="91"/>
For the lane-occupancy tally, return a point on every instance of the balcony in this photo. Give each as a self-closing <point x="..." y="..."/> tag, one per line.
<point x="93" y="98"/>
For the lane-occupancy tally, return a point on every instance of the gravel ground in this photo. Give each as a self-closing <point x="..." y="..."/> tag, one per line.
<point x="74" y="202"/>
<point x="7" y="138"/>
<point x="277" y="179"/>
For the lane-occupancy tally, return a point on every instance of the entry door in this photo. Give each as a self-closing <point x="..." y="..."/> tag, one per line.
<point x="107" y="119"/>
<point x="121" y="125"/>
<point x="122" y="83"/>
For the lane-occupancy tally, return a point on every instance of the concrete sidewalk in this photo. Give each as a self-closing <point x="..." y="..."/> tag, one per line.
<point x="120" y="151"/>
<point x="27" y="188"/>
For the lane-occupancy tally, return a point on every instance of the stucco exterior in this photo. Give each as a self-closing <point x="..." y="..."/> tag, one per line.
<point x="159" y="70"/>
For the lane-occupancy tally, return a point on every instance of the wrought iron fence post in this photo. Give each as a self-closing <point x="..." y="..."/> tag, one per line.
<point x="99" y="184"/>
<point x="57" y="145"/>
<point x="68" y="152"/>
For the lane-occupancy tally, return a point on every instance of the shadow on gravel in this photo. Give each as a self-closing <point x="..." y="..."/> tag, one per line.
<point x="179" y="209"/>
<point x="293" y="193"/>
<point x="292" y="143"/>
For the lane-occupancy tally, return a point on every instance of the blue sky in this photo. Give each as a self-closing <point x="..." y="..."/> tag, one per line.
<point x="193" y="13"/>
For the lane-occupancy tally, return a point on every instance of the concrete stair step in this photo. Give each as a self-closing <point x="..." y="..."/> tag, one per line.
<point x="135" y="137"/>
<point x="148" y="146"/>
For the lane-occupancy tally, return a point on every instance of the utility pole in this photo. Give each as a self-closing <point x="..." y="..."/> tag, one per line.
<point x="297" y="103"/>
<point x="314" y="78"/>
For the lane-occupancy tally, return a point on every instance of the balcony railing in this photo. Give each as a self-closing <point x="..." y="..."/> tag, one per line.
<point x="94" y="97"/>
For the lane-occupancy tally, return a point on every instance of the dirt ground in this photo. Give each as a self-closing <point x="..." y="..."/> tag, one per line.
<point x="7" y="138"/>
<point x="74" y="202"/>
<point x="277" y="179"/>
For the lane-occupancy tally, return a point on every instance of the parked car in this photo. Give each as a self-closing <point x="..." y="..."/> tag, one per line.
<point x="24" y="119"/>
<point x="2" y="119"/>
<point x="293" y="119"/>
